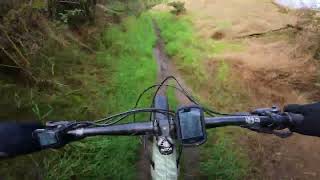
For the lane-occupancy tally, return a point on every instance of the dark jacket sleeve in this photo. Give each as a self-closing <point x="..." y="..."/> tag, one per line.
<point x="311" y="123"/>
<point x="17" y="138"/>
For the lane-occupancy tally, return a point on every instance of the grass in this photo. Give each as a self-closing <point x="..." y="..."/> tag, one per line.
<point x="186" y="49"/>
<point x="177" y="34"/>
<point x="128" y="53"/>
<point x="85" y="87"/>
<point x="75" y="92"/>
<point x="191" y="54"/>
<point x="222" y="158"/>
<point x="38" y="4"/>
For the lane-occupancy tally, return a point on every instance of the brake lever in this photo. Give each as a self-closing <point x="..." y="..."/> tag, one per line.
<point x="275" y="128"/>
<point x="279" y="133"/>
<point x="283" y="134"/>
<point x="53" y="136"/>
<point x="266" y="111"/>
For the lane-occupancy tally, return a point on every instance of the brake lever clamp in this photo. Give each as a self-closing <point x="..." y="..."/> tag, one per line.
<point x="266" y="111"/>
<point x="275" y="114"/>
<point x="275" y="128"/>
<point x="282" y="133"/>
<point x="53" y="136"/>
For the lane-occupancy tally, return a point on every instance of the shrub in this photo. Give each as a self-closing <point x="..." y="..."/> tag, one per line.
<point x="178" y="7"/>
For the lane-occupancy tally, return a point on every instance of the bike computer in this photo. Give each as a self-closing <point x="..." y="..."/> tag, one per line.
<point x="191" y="126"/>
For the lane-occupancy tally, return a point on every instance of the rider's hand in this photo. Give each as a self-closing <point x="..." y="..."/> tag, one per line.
<point x="311" y="123"/>
<point x="17" y="139"/>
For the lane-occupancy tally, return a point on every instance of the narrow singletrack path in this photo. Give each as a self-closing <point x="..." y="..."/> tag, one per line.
<point x="190" y="166"/>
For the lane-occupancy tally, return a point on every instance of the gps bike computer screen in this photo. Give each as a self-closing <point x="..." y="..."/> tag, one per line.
<point x="191" y="125"/>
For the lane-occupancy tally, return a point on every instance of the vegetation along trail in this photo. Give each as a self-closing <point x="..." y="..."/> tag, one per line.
<point x="75" y="83"/>
<point x="242" y="55"/>
<point x="232" y="55"/>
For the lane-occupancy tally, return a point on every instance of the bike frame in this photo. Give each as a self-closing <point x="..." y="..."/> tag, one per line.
<point x="163" y="166"/>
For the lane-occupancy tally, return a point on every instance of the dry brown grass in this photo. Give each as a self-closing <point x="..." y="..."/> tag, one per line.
<point x="276" y="68"/>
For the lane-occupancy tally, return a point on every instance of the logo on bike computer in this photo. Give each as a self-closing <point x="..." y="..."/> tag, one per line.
<point x="252" y="119"/>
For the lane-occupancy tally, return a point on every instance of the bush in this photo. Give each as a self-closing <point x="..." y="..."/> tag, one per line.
<point x="74" y="18"/>
<point x="178" y="7"/>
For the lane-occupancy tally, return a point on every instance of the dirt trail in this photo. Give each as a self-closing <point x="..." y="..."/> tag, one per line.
<point x="274" y="70"/>
<point x="190" y="165"/>
<point x="166" y="68"/>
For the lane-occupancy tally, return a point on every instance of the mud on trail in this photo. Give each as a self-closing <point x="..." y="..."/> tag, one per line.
<point x="275" y="68"/>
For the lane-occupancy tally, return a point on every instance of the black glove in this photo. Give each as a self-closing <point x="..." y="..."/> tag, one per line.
<point x="311" y="123"/>
<point x="17" y="139"/>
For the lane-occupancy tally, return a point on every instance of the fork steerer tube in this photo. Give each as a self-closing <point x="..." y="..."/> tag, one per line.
<point x="122" y="129"/>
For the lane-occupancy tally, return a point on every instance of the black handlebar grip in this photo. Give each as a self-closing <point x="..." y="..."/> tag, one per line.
<point x="295" y="119"/>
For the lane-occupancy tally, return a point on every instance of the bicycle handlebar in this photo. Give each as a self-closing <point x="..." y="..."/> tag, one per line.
<point x="285" y="120"/>
<point x="57" y="134"/>
<point x="137" y="129"/>
<point x="214" y="122"/>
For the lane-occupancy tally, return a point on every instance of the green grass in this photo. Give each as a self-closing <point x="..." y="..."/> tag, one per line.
<point x="180" y="40"/>
<point x="190" y="53"/>
<point x="225" y="89"/>
<point x="85" y="87"/>
<point x="128" y="53"/>
<point x="221" y="158"/>
<point x="186" y="49"/>
<point x="38" y="4"/>
<point x="76" y="91"/>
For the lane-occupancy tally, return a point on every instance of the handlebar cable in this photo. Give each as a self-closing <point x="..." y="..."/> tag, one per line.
<point x="192" y="99"/>
<point x="187" y="94"/>
<point x="161" y="84"/>
<point x="148" y="89"/>
<point x="134" y="111"/>
<point x="182" y="90"/>
<point x="116" y="121"/>
<point x="213" y="113"/>
<point x="74" y="125"/>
